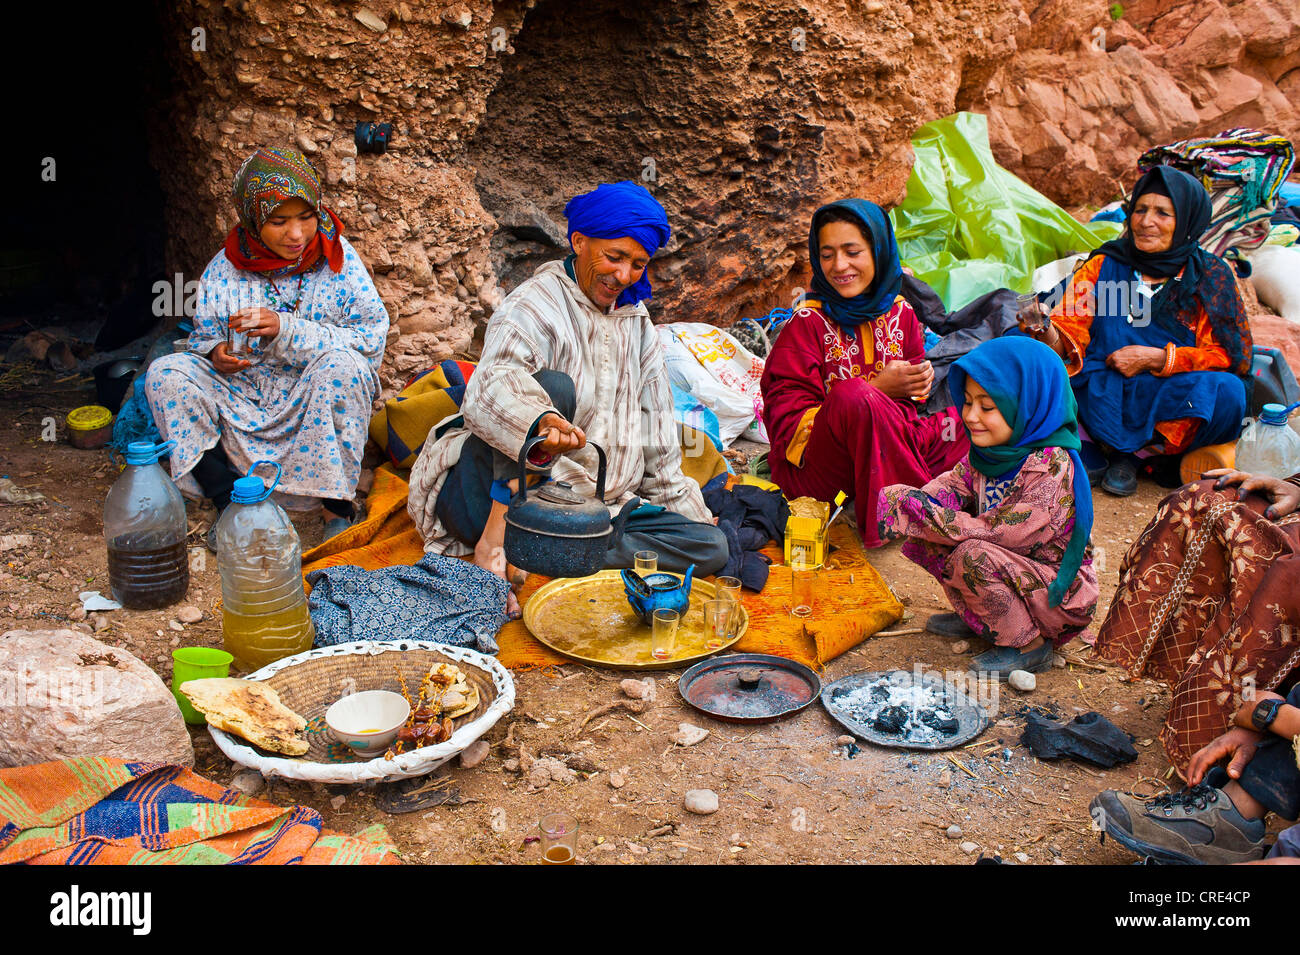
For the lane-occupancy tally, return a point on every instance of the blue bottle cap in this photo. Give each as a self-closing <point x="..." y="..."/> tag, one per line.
<point x="1274" y="414"/>
<point x="145" y="452"/>
<point x="247" y="490"/>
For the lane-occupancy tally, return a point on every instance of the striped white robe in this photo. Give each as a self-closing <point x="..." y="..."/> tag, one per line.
<point x="623" y="399"/>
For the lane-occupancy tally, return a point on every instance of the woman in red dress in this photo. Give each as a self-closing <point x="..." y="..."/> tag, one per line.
<point x="843" y="384"/>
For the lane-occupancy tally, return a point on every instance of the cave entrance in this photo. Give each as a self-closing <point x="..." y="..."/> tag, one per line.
<point x="573" y="108"/>
<point x="82" y="237"/>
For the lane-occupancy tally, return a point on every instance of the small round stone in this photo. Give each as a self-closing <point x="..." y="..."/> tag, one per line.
<point x="1022" y="680"/>
<point x="844" y="740"/>
<point x="954" y="831"/>
<point x="702" y="802"/>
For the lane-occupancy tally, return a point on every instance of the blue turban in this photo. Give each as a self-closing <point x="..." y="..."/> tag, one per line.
<point x="621" y="210"/>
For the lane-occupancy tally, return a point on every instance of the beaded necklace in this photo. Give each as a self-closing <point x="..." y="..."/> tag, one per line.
<point x="279" y="303"/>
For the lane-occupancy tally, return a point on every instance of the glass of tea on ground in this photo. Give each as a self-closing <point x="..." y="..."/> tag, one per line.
<point x="559" y="838"/>
<point x="803" y="577"/>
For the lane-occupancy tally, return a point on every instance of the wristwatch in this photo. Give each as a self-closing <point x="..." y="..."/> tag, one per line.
<point x="1264" y="713"/>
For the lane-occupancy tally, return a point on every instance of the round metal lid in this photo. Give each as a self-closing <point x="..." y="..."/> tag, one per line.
<point x="559" y="492"/>
<point x="749" y="687"/>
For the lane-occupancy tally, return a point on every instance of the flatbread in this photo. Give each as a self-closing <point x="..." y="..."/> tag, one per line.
<point x="251" y="710"/>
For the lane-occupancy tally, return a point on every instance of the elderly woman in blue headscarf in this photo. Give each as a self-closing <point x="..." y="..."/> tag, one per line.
<point x="846" y="379"/>
<point x="1006" y="532"/>
<point x="572" y="357"/>
<point x="1154" y="335"/>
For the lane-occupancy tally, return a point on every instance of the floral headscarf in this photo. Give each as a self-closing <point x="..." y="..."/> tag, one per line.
<point x="268" y="179"/>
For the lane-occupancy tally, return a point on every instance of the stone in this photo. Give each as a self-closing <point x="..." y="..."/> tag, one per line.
<point x="688" y="734"/>
<point x="1058" y="661"/>
<point x="188" y="613"/>
<point x="474" y="753"/>
<point x="370" y="20"/>
<point x="1022" y="680"/>
<point x="67" y="694"/>
<point x="702" y="802"/>
<point x="969" y="847"/>
<point x="845" y="740"/>
<point x="510" y="765"/>
<point x="961" y="646"/>
<point x="176" y="625"/>
<point x="617" y="780"/>
<point x="337" y="802"/>
<point x="640" y="689"/>
<point x="945" y="780"/>
<point x="248" y="781"/>
<point x="954" y="831"/>
<point x="1022" y="857"/>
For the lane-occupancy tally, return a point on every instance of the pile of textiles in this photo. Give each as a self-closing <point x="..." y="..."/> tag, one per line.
<point x="750" y="517"/>
<point x="442" y="599"/>
<point x="429" y="402"/>
<point x="93" y="810"/>
<point x="1243" y="171"/>
<point x="991" y="315"/>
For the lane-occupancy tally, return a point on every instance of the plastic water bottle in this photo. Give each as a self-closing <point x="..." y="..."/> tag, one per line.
<point x="1268" y="445"/>
<point x="145" y="529"/>
<point x="264" y="603"/>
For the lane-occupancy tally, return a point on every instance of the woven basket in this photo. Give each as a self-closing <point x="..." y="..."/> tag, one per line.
<point x="308" y="683"/>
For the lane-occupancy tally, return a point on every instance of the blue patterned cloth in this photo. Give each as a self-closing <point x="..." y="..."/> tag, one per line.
<point x="442" y="599"/>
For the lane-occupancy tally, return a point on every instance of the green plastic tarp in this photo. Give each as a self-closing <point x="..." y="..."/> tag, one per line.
<point x="968" y="226"/>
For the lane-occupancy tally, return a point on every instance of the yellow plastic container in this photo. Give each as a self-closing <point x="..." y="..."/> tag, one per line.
<point x="90" y="427"/>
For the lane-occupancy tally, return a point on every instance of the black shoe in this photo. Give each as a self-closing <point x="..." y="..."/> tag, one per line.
<point x="949" y="625"/>
<point x="1094" y="462"/>
<point x="1121" y="477"/>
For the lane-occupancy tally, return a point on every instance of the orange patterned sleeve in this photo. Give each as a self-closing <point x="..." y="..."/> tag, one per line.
<point x="1206" y="355"/>
<point x="1074" y="313"/>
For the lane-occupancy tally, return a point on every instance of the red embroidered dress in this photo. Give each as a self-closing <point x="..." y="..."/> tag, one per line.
<point x="831" y="430"/>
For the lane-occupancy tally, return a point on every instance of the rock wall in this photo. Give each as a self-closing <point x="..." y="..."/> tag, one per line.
<point x="1089" y="92"/>
<point x="740" y="115"/>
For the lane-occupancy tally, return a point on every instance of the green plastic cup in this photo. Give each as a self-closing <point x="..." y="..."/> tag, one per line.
<point x="196" y="663"/>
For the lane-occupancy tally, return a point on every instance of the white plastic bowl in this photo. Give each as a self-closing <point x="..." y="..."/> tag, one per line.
<point x="368" y="722"/>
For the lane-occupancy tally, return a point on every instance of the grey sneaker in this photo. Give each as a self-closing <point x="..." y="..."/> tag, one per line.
<point x="949" y="625"/>
<point x="1197" y="825"/>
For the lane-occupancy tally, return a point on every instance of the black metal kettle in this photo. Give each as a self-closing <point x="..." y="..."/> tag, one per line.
<point x="558" y="532"/>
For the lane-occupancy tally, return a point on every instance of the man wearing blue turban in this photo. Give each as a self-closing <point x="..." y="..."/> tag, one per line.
<point x="572" y="357"/>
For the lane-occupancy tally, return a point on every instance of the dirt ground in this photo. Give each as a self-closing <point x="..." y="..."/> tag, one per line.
<point x="787" y="792"/>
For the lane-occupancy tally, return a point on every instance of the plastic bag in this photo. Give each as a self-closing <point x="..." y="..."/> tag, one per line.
<point x="968" y="226"/>
<point x="720" y="373"/>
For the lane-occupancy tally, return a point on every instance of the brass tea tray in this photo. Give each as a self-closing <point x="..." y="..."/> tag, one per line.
<point x="589" y="619"/>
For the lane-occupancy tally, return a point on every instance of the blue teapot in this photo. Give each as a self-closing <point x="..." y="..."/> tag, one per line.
<point x="657" y="591"/>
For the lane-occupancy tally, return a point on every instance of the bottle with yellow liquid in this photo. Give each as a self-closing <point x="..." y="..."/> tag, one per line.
<point x="264" y="604"/>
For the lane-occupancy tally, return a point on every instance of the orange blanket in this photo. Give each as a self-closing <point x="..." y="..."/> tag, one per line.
<point x="93" y="810"/>
<point x="851" y="600"/>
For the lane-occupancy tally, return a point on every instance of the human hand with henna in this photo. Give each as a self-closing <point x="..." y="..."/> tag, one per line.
<point x="1134" y="359"/>
<point x="1285" y="497"/>
<point x="901" y="379"/>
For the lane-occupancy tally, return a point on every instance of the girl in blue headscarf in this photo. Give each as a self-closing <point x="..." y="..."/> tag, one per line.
<point x="1006" y="532"/>
<point x="842" y="384"/>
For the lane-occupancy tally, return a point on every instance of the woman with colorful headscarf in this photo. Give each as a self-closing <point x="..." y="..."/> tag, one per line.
<point x="842" y="386"/>
<point x="1007" y="531"/>
<point x="1154" y="335"/>
<point x="299" y="393"/>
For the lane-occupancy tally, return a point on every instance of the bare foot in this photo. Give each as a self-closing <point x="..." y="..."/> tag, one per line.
<point x="493" y="560"/>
